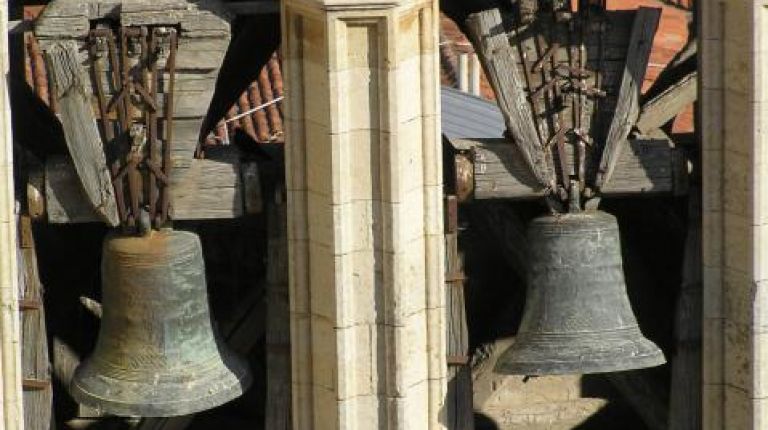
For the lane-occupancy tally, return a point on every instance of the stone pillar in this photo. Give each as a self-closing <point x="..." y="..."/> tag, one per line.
<point x="734" y="109"/>
<point x="11" y="416"/>
<point x="365" y="213"/>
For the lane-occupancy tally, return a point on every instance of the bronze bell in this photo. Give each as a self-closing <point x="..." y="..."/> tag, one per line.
<point x="157" y="352"/>
<point x="577" y="316"/>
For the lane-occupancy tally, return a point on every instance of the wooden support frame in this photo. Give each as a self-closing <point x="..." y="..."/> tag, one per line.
<point x="628" y="106"/>
<point x="211" y="188"/>
<point x="493" y="169"/>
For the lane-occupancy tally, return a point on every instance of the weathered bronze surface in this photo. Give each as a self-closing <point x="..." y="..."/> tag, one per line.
<point x="157" y="353"/>
<point x="577" y="316"/>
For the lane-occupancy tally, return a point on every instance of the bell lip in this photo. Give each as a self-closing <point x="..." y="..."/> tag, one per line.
<point x="579" y="364"/>
<point x="240" y="381"/>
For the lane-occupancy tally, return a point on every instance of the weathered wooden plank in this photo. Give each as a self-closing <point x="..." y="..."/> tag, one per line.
<point x="82" y="135"/>
<point x="70" y="19"/>
<point x="36" y="367"/>
<point x="499" y="60"/>
<point x="459" y="410"/>
<point x="628" y="107"/>
<point x="200" y="189"/>
<point x="499" y="173"/>
<point x="667" y="105"/>
<point x="198" y="19"/>
<point x="207" y="188"/>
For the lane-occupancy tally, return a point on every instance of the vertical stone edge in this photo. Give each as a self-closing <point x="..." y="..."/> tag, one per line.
<point x="710" y="94"/>
<point x="11" y="412"/>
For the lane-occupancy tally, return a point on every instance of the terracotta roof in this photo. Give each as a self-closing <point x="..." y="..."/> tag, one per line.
<point x="671" y="37"/>
<point x="262" y="125"/>
<point x="266" y="124"/>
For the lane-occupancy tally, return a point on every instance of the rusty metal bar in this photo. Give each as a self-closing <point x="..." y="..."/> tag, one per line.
<point x="106" y="123"/>
<point x="150" y="63"/>
<point x="170" y="65"/>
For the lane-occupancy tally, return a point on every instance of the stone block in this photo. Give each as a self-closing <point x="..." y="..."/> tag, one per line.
<point x="361" y="152"/>
<point x="325" y="408"/>
<point x="357" y="346"/>
<point x="712" y="348"/>
<point x="319" y="159"/>
<point x="712" y="109"/>
<point x="712" y="296"/>
<point x="712" y="69"/>
<point x="405" y="286"/>
<point x="712" y="409"/>
<point x="326" y="362"/>
<point x="738" y="21"/>
<point x="301" y="348"/>
<point x="760" y="251"/>
<point x="435" y="278"/>
<point x="433" y="221"/>
<point x="737" y="243"/>
<point x="760" y="414"/>
<point x="408" y="28"/>
<point x="298" y="260"/>
<point x="712" y="20"/>
<point x="738" y="357"/>
<point x="317" y="91"/>
<point x="738" y="296"/>
<point x="432" y="151"/>
<point x="320" y="225"/>
<point x="363" y="290"/>
<point x="409" y="89"/>
<point x="712" y="235"/>
<point x="759" y="365"/>
<point x="405" y="223"/>
<point x="360" y="412"/>
<point x="323" y="274"/>
<point x="738" y="125"/>
<point x="737" y="409"/>
<point x="737" y="68"/>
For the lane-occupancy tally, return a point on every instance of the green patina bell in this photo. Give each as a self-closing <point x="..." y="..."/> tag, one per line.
<point x="157" y="352"/>
<point x="577" y="316"/>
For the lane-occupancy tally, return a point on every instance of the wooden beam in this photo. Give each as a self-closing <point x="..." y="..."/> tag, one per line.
<point x="82" y="136"/>
<point x="666" y="106"/>
<point x="200" y="189"/>
<point x="35" y="362"/>
<point x="628" y="107"/>
<point x="500" y="60"/>
<point x="649" y="167"/>
<point x="459" y="410"/>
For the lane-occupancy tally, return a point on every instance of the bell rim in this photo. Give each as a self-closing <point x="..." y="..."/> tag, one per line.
<point x="580" y="367"/>
<point x="582" y="363"/>
<point x="237" y="372"/>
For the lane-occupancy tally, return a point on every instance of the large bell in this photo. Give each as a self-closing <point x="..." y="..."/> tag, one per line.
<point x="577" y="316"/>
<point x="157" y="353"/>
